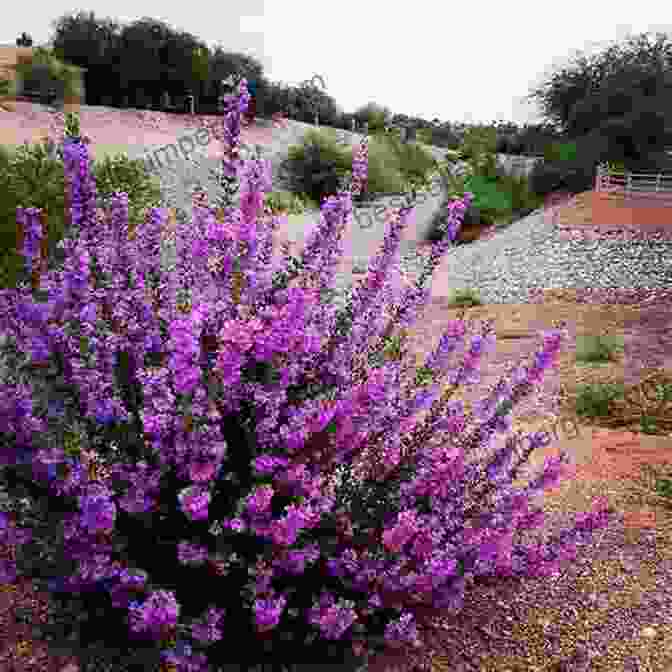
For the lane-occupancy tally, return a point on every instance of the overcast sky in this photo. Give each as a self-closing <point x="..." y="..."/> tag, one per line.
<point x="459" y="62"/>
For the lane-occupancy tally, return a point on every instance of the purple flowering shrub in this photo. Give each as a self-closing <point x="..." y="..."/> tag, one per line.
<point x="216" y="529"/>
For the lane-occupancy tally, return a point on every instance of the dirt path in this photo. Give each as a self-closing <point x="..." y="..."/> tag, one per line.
<point x="611" y="604"/>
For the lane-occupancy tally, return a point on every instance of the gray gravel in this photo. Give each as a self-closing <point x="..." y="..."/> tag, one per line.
<point x="530" y="254"/>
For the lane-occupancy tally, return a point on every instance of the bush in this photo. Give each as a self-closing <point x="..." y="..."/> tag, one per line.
<point x="465" y="297"/>
<point x="594" y="400"/>
<point x="502" y="146"/>
<point x="28" y="175"/>
<point x="516" y="147"/>
<point x="33" y="174"/>
<point x="415" y="162"/>
<point x="561" y="152"/>
<point x="220" y="425"/>
<point x="490" y="198"/>
<point x="523" y="199"/>
<point x="119" y="173"/>
<point x="591" y="349"/>
<point x="546" y="178"/>
<point x="453" y="155"/>
<point x="317" y="167"/>
<point x="385" y="172"/>
<point x="286" y="202"/>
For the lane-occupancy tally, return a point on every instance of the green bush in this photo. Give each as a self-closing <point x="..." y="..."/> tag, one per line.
<point x="317" y="167"/>
<point x="591" y="349"/>
<point x="465" y="297"/>
<point x="664" y="488"/>
<point x="546" y="178"/>
<point x="119" y="173"/>
<point x="594" y="400"/>
<point x="495" y="199"/>
<point x="502" y="146"/>
<point x="560" y="152"/>
<point x="415" y="162"/>
<point x="385" y="172"/>
<point x="522" y="197"/>
<point x="489" y="197"/>
<point x="30" y="176"/>
<point x="453" y="155"/>
<point x="285" y="201"/>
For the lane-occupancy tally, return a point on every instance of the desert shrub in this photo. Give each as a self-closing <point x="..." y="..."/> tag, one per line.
<point x="523" y="199"/>
<point x="591" y="349"/>
<point x="516" y="147"/>
<point x="453" y="155"/>
<point x="220" y="423"/>
<point x="664" y="489"/>
<point x="28" y="176"/>
<point x="318" y="166"/>
<point x="120" y="173"/>
<point x="42" y="69"/>
<point x="33" y="175"/>
<point x="560" y="152"/>
<point x="491" y="199"/>
<point x="545" y="178"/>
<point x="385" y="172"/>
<point x="285" y="201"/>
<point x="594" y="400"/>
<point x="415" y="162"/>
<point x="502" y="146"/>
<point x="465" y="297"/>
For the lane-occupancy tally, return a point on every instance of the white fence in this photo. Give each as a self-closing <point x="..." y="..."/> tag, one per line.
<point x="649" y="186"/>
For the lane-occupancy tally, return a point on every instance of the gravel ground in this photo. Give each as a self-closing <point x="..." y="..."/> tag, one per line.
<point x="531" y="254"/>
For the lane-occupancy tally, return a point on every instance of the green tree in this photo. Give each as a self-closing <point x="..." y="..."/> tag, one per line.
<point x="612" y="84"/>
<point x="24" y="41"/>
<point x="93" y="44"/>
<point x="376" y="116"/>
<point x="41" y="69"/>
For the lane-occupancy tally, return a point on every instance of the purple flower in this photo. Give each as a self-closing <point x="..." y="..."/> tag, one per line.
<point x="194" y="502"/>
<point x="267" y="613"/>
<point x="309" y="379"/>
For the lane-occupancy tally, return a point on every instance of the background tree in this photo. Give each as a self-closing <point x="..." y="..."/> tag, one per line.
<point x="376" y="115"/>
<point x="42" y="71"/>
<point x="622" y="94"/>
<point x="223" y="64"/>
<point x="90" y="43"/>
<point x="142" y="60"/>
<point x="24" y="41"/>
<point x="200" y="71"/>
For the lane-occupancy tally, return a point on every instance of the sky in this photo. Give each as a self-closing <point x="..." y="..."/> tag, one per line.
<point x="468" y="62"/>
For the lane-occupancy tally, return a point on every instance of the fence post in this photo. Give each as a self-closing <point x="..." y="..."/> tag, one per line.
<point x="628" y="188"/>
<point x="658" y="182"/>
